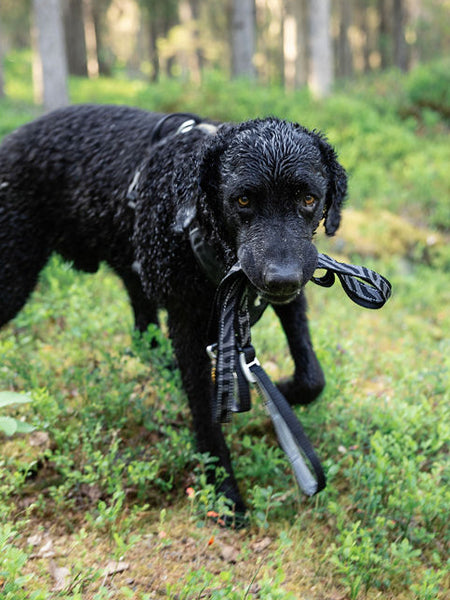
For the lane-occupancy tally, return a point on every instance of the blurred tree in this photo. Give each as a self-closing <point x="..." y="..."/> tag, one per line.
<point x="384" y="37"/>
<point x="160" y="17"/>
<point x="75" y="37"/>
<point x="2" y="85"/>
<point x="16" y="18"/>
<point x="295" y="43"/>
<point x="295" y="36"/>
<point x="320" y="78"/>
<point x="400" y="46"/>
<point x="52" y="52"/>
<point x="243" y="38"/>
<point x="191" y="54"/>
<point x="96" y="12"/>
<point x="92" y="56"/>
<point x="343" y="55"/>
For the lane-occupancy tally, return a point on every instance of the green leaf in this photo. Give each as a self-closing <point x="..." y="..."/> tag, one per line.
<point x="24" y="427"/>
<point x="11" y="398"/>
<point x="8" y="425"/>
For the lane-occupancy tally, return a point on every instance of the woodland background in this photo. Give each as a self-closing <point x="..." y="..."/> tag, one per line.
<point x="292" y="43"/>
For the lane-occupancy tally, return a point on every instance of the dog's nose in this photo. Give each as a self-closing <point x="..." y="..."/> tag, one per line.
<point x="283" y="279"/>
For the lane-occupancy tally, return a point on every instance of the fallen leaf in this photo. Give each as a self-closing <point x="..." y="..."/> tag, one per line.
<point x="46" y="551"/>
<point x="261" y="545"/>
<point x="39" y="438"/>
<point x="60" y="575"/>
<point x="229" y="553"/>
<point x="34" y="540"/>
<point x="115" y="566"/>
<point x="93" y="492"/>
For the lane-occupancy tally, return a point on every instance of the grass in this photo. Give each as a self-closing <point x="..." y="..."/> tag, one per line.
<point x="93" y="501"/>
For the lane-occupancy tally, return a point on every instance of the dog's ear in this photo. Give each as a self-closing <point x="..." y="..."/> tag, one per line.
<point x="337" y="187"/>
<point x="209" y="176"/>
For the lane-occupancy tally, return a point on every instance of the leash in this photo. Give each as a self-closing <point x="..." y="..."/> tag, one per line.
<point x="235" y="366"/>
<point x="362" y="285"/>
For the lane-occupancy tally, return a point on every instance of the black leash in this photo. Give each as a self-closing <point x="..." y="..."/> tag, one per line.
<point x="235" y="366"/>
<point x="362" y="285"/>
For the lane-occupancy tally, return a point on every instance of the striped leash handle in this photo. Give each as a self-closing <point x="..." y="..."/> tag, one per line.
<point x="362" y="285"/>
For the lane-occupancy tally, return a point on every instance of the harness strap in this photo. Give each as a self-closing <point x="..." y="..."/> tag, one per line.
<point x="192" y="121"/>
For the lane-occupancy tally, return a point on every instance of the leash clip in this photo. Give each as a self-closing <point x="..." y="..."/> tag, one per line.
<point x="211" y="351"/>
<point x="246" y="366"/>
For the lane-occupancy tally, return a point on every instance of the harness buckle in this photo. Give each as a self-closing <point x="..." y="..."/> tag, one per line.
<point x="186" y="126"/>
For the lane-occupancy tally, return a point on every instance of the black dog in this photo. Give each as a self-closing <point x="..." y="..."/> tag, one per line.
<point x="116" y="184"/>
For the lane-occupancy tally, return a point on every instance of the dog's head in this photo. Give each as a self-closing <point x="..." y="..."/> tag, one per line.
<point x="269" y="183"/>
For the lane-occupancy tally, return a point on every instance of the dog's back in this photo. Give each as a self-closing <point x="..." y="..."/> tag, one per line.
<point x="63" y="184"/>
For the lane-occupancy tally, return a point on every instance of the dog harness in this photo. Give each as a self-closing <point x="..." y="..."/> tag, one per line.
<point x="237" y="307"/>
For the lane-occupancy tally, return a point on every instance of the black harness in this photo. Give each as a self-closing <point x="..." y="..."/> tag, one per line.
<point x="237" y="307"/>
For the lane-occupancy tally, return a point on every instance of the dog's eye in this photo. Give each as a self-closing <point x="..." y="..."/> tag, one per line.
<point x="244" y="201"/>
<point x="309" y="200"/>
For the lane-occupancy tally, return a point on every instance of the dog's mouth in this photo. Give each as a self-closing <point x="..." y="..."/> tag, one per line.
<point x="281" y="298"/>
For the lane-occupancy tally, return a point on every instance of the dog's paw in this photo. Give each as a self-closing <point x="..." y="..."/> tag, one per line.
<point x="235" y="516"/>
<point x="301" y="392"/>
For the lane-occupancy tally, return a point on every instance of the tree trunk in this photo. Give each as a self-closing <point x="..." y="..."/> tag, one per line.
<point x="290" y="49"/>
<point x="98" y="12"/>
<point x="243" y="38"/>
<point x="295" y="43"/>
<point x="189" y="58"/>
<point x="400" y="47"/>
<point x="154" y="54"/>
<point x="195" y="10"/>
<point x="75" y="38"/>
<point x="2" y="81"/>
<point x="52" y="52"/>
<point x="383" y="34"/>
<point x="91" y="39"/>
<point x="321" y="58"/>
<point x="344" y="55"/>
<point x="300" y="11"/>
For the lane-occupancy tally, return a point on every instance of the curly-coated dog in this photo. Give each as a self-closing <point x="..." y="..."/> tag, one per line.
<point x="94" y="183"/>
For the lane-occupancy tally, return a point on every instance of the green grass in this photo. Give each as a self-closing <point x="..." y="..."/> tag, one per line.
<point x="104" y="475"/>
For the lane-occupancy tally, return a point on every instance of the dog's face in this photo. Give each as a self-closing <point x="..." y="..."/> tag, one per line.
<point x="276" y="182"/>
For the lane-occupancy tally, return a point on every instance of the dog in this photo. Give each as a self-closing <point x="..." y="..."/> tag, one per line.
<point x="120" y="185"/>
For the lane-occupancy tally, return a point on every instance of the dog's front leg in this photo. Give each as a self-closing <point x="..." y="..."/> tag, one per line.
<point x="308" y="380"/>
<point x="189" y="342"/>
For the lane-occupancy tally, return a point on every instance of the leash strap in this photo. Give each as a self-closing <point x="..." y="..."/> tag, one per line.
<point x="290" y="433"/>
<point x="362" y="285"/>
<point x="235" y="366"/>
